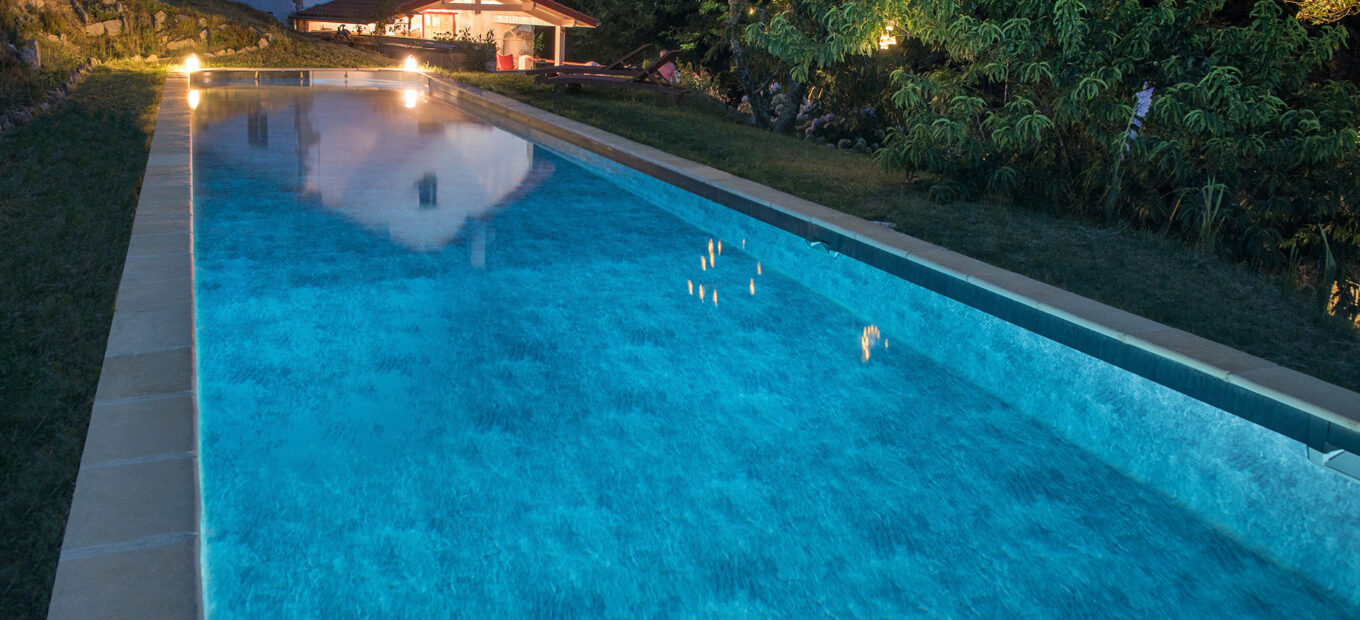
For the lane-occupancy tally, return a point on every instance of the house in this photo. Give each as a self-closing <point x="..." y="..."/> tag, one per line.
<point x="512" y="23"/>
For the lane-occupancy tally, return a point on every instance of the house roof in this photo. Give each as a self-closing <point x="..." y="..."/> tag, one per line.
<point x="361" y="11"/>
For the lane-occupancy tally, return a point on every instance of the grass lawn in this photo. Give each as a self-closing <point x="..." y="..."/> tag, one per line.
<point x="67" y="196"/>
<point x="1137" y="271"/>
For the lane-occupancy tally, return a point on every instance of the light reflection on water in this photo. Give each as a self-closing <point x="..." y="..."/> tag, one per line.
<point x="394" y="164"/>
<point x="552" y="428"/>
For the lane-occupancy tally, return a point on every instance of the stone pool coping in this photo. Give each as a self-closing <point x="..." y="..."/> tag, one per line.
<point x="131" y="547"/>
<point x="132" y="544"/>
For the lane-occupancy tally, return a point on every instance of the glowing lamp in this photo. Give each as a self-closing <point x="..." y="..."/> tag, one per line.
<point x="888" y="38"/>
<point x="411" y="64"/>
<point x="191" y="63"/>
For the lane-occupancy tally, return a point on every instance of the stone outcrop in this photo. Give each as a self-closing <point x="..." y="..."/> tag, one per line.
<point x="22" y="115"/>
<point x="30" y="56"/>
<point x="109" y="27"/>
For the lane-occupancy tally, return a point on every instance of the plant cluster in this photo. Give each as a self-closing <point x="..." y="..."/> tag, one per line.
<point x="1226" y="128"/>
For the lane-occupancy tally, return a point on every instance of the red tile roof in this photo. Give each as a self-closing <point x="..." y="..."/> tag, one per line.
<point x="361" y="11"/>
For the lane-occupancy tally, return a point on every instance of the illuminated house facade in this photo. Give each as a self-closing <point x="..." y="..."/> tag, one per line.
<point x="510" y="22"/>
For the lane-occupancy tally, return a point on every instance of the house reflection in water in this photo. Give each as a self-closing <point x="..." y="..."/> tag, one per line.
<point x="365" y="156"/>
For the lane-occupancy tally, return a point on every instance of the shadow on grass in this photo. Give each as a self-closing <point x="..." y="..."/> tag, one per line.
<point x="67" y="196"/>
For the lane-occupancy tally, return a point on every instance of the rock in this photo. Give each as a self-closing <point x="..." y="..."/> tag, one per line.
<point x="203" y="35"/>
<point x="262" y="43"/>
<point x="202" y="22"/>
<point x="158" y="20"/>
<point x="30" y="56"/>
<point x="51" y="37"/>
<point x="180" y="44"/>
<point x="113" y="26"/>
<point x="152" y="58"/>
<point x="844" y="144"/>
<point x="37" y="4"/>
<point x="137" y="58"/>
<point x="107" y="2"/>
<point x="182" y="18"/>
<point x="95" y="29"/>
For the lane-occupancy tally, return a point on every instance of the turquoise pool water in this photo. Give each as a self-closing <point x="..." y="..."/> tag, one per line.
<point x="446" y="372"/>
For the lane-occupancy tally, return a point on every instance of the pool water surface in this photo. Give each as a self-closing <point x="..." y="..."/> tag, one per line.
<point x="447" y="372"/>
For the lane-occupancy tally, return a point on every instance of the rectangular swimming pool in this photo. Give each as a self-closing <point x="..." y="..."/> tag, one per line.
<point x="445" y="371"/>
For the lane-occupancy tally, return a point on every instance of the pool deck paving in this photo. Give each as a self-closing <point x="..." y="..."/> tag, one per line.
<point x="131" y="547"/>
<point x="131" y="544"/>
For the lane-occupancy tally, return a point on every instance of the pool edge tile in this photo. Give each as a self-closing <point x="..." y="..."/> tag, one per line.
<point x="131" y="544"/>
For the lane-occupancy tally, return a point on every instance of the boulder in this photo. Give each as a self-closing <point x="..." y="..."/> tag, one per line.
<point x="29" y="55"/>
<point x="113" y="26"/>
<point x="95" y="30"/>
<point x="152" y="58"/>
<point x="158" y="20"/>
<point x="202" y="22"/>
<point x="262" y="43"/>
<point x="180" y="44"/>
<point x="203" y="34"/>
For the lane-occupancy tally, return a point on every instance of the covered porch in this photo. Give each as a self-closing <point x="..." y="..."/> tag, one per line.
<point x="511" y="24"/>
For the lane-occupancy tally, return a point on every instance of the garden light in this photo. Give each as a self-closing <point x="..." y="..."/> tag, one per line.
<point x="191" y="63"/>
<point x="887" y="39"/>
<point x="411" y="64"/>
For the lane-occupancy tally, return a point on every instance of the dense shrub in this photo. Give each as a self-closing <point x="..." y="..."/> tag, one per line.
<point x="1243" y="144"/>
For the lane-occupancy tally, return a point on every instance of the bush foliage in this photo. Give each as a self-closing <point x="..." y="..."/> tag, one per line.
<point x="1245" y="142"/>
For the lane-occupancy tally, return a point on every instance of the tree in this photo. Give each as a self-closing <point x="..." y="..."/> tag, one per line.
<point x="1246" y="146"/>
<point x="803" y="37"/>
<point x="1325" y="11"/>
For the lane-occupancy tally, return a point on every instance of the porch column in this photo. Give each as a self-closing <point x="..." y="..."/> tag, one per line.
<point x="559" y="46"/>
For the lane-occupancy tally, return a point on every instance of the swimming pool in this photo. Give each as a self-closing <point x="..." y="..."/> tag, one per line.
<point x="445" y="371"/>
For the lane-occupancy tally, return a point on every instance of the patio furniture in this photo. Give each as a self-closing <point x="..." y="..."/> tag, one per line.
<point x="616" y="74"/>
